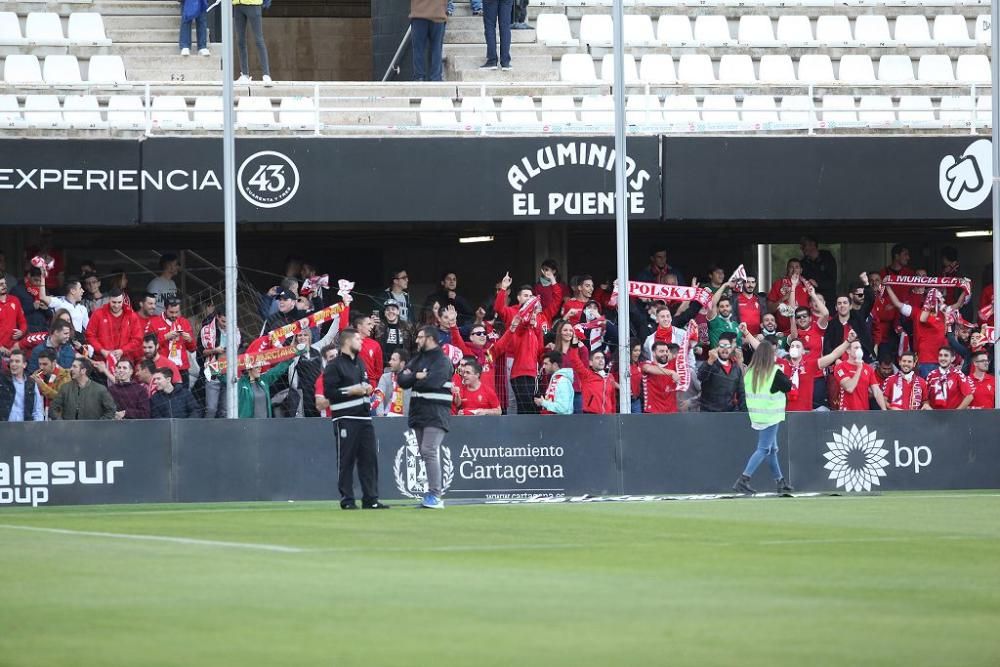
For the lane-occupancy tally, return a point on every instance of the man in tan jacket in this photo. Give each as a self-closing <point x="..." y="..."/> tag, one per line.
<point x="427" y="23"/>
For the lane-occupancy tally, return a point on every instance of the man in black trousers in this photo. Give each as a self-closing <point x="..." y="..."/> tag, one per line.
<point x="346" y="387"/>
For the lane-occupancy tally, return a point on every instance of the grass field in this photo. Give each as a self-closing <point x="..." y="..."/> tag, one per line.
<point x="891" y="580"/>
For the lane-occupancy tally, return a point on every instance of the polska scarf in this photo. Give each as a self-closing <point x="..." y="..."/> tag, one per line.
<point x="669" y="293"/>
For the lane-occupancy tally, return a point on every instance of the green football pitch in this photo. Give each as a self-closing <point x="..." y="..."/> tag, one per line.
<point x="898" y="579"/>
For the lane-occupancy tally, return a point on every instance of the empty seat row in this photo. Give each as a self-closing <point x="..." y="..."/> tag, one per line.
<point x="658" y="68"/>
<point x="166" y="111"/>
<point x="753" y="30"/>
<point x="62" y="69"/>
<point x="681" y="109"/>
<point x="45" y="29"/>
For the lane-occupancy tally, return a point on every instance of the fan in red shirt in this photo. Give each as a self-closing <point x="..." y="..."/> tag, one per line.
<point x="145" y="309"/>
<point x="749" y="306"/>
<point x="787" y="293"/>
<point x="948" y="388"/>
<point x="13" y="324"/>
<point x="802" y="369"/>
<point x="928" y="328"/>
<point x="549" y="290"/>
<point x="599" y="388"/>
<point x="151" y="352"/>
<point x="371" y="351"/>
<point x="475" y="397"/>
<point x="524" y="294"/>
<point x="115" y="330"/>
<point x="523" y="342"/>
<point x="984" y="396"/>
<point x="583" y="291"/>
<point x="175" y="336"/>
<point x="905" y="390"/>
<point x="480" y="347"/>
<point x="856" y="380"/>
<point x="986" y="306"/>
<point x="659" y="379"/>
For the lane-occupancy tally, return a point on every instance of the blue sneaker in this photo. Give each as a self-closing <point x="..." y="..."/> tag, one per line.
<point x="432" y="502"/>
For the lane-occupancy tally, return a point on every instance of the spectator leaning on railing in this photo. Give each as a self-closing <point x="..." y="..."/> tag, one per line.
<point x="82" y="398"/>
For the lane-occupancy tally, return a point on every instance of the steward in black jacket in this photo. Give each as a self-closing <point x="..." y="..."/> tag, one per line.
<point x="429" y="376"/>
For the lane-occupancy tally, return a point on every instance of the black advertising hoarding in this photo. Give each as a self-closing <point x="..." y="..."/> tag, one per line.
<point x="827" y="178"/>
<point x="69" y="182"/>
<point x="472" y="179"/>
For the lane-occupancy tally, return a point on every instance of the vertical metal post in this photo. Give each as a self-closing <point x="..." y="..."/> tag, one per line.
<point x="621" y="212"/>
<point x="763" y="266"/>
<point x="229" y="206"/>
<point x="995" y="239"/>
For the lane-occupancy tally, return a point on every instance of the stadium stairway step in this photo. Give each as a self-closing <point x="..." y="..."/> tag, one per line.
<point x="160" y="49"/>
<point x="477" y="36"/>
<point x="137" y="35"/>
<point x="520" y="73"/>
<point x="143" y="22"/>
<point x="162" y="74"/>
<point x="134" y="7"/>
<point x="528" y="62"/>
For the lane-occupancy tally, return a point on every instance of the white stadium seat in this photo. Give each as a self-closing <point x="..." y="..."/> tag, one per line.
<point x="896" y="69"/>
<point x="42" y="111"/>
<point x="578" y="68"/>
<point x="559" y="110"/>
<point x="912" y="30"/>
<point x="856" y="69"/>
<point x="106" y="70"/>
<point x="681" y="109"/>
<point x="597" y="110"/>
<point x="956" y="109"/>
<point x="797" y="109"/>
<point x="876" y="109"/>
<point x="951" y="30"/>
<point x="252" y="111"/>
<point x="298" y="112"/>
<point x="10" y="112"/>
<point x="126" y="111"/>
<point x="695" y="68"/>
<point x="82" y="111"/>
<point x="756" y="31"/>
<point x="777" y="69"/>
<point x="608" y="68"/>
<point x="638" y="31"/>
<point x="21" y="68"/>
<point x="839" y="109"/>
<point x="61" y="69"/>
<point x="935" y="67"/>
<point x="170" y="111"/>
<point x="596" y="30"/>
<point x="87" y="28"/>
<point x="553" y="30"/>
<point x="44" y="28"/>
<point x="434" y="112"/>
<point x="815" y="67"/>
<point x="657" y="68"/>
<point x="643" y="109"/>
<point x="518" y="110"/>
<point x="719" y="109"/>
<point x="795" y="30"/>
<point x="10" y="32"/>
<point x="712" y="30"/>
<point x="674" y="30"/>
<point x="872" y="30"/>
<point x="759" y="109"/>
<point x="916" y="109"/>
<point x="984" y="35"/>
<point x="208" y="112"/>
<point x="973" y="68"/>
<point x="479" y="110"/>
<point x="984" y="103"/>
<point x="833" y="30"/>
<point x="736" y="69"/>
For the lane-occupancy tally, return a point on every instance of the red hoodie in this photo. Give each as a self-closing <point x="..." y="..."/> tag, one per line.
<point x="524" y="344"/>
<point x="175" y="350"/>
<point x="552" y="297"/>
<point x="484" y="355"/>
<point x="107" y="332"/>
<point x="11" y="317"/>
<point x="507" y="313"/>
<point x="599" y="392"/>
<point x="371" y="355"/>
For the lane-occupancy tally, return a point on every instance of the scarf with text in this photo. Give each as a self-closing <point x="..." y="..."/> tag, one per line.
<point x="209" y="334"/>
<point x="683" y="368"/>
<point x="669" y="293"/>
<point x="963" y="284"/>
<point x="898" y="391"/>
<point x="281" y="334"/>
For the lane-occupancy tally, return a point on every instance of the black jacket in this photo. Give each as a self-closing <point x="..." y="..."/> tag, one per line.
<point x="38" y="320"/>
<point x="430" y="399"/>
<point x="178" y="404"/>
<point x="307" y="369"/>
<point x="859" y="321"/>
<point x="823" y="270"/>
<point x="341" y="373"/>
<point x="7" y="397"/>
<point x="721" y="391"/>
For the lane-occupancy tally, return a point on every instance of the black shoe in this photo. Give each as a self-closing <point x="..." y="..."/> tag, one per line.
<point x="488" y="65"/>
<point x="375" y="506"/>
<point x="477" y="12"/>
<point x="742" y="485"/>
<point x="506" y="68"/>
<point x="349" y="506"/>
<point x="784" y="488"/>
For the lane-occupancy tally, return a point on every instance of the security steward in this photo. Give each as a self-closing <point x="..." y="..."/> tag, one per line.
<point x="346" y="386"/>
<point x="429" y="376"/>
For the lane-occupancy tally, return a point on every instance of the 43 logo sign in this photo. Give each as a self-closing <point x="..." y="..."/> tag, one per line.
<point x="268" y="179"/>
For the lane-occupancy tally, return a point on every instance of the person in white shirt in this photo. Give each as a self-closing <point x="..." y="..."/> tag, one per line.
<point x="72" y="302"/>
<point x="163" y="286"/>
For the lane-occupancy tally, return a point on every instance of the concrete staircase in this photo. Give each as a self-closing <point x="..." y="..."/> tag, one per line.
<point x="465" y="51"/>
<point x="145" y="33"/>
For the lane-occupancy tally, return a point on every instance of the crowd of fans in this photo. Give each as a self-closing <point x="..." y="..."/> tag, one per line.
<point x="88" y="348"/>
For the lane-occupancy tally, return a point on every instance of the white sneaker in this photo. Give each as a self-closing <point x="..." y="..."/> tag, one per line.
<point x="185" y="52"/>
<point x="204" y="52"/>
<point x="244" y="78"/>
<point x="267" y="80"/>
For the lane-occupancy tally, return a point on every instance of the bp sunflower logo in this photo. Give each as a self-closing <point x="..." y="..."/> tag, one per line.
<point x="856" y="458"/>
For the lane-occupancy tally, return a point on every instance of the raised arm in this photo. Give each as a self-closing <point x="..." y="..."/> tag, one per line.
<point x="839" y="351"/>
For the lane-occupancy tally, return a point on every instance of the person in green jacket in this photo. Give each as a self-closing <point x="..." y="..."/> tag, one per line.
<point x="82" y="398"/>
<point x="765" y="387"/>
<point x="253" y="391"/>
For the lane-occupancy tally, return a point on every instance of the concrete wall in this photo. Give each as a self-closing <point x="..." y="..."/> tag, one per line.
<point x="390" y="19"/>
<point x="316" y="49"/>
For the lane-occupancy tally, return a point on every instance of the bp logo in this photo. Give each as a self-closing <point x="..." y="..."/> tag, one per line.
<point x="966" y="181"/>
<point x="410" y="472"/>
<point x="856" y="459"/>
<point x="268" y="179"/>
